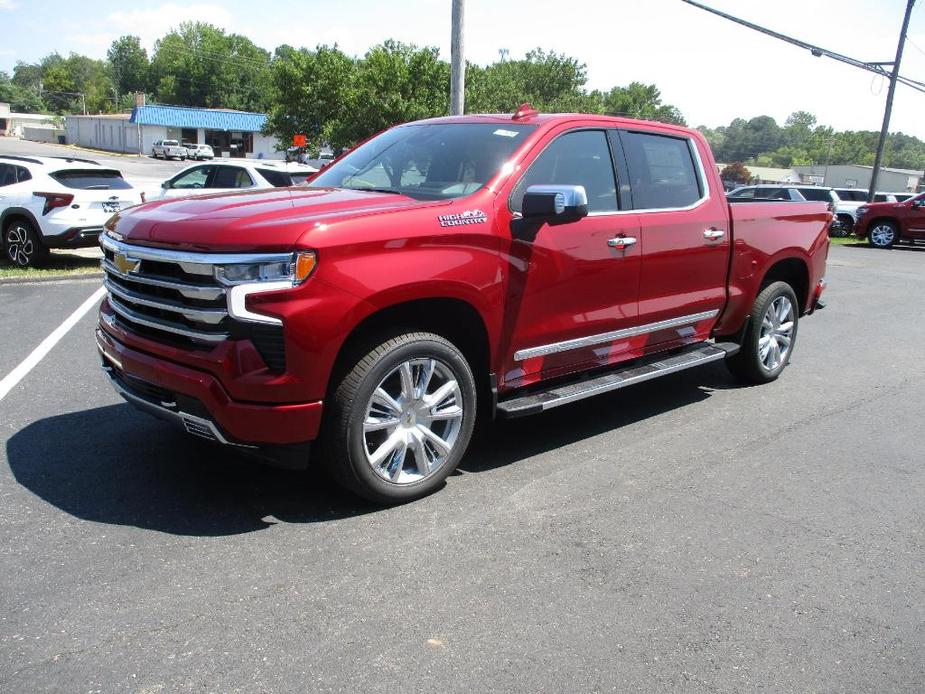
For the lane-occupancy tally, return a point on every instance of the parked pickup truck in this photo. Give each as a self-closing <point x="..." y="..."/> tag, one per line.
<point x="448" y="269"/>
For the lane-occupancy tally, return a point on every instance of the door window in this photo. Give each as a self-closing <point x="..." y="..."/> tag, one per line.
<point x="194" y="178"/>
<point x="662" y="171"/>
<point x="579" y="158"/>
<point x="231" y="177"/>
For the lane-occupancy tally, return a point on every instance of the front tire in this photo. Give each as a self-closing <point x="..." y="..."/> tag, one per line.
<point x="771" y="334"/>
<point x="400" y="418"/>
<point x="883" y="235"/>
<point x="22" y="245"/>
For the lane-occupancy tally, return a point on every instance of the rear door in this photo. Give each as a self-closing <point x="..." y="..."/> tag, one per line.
<point x="227" y="179"/>
<point x="684" y="234"/>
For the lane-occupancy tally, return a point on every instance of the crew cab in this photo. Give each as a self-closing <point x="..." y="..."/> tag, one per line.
<point x="886" y="223"/>
<point x="448" y="269"/>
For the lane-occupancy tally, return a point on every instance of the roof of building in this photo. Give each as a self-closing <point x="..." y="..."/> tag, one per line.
<point x="208" y="118"/>
<point x="814" y="170"/>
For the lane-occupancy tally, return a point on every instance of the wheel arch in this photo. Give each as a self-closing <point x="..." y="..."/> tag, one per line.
<point x="11" y="213"/>
<point x="885" y="218"/>
<point x="795" y="272"/>
<point x="451" y="317"/>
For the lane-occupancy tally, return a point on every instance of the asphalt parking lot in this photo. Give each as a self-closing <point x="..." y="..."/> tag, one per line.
<point x="145" y="172"/>
<point x="688" y="534"/>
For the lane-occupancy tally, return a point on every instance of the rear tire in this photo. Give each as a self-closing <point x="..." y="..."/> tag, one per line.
<point x="400" y="419"/>
<point x="770" y="337"/>
<point x="883" y="235"/>
<point x="22" y="245"/>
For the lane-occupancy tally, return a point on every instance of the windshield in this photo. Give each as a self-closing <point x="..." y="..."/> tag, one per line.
<point x="427" y="162"/>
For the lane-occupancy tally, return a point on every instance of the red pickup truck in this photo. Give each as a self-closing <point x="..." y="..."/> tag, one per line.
<point x="490" y="265"/>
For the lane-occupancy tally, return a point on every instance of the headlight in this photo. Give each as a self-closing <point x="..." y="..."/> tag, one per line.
<point x="245" y="279"/>
<point x="296" y="269"/>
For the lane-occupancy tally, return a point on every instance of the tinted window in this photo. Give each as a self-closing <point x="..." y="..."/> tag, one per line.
<point x="883" y="197"/>
<point x="662" y="171"/>
<point x="578" y="158"/>
<point x="22" y="174"/>
<point x="171" y="143"/>
<point x="852" y="195"/>
<point x="744" y="193"/>
<point x="820" y="194"/>
<point x="280" y="179"/>
<point x="7" y="175"/>
<point x="94" y="179"/>
<point x="194" y="178"/>
<point x="427" y="162"/>
<point x="231" y="177"/>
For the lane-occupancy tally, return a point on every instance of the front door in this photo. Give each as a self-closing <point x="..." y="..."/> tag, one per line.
<point x="569" y="285"/>
<point x="685" y="238"/>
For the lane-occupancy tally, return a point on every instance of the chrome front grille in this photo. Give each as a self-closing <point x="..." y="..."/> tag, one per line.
<point x="169" y="292"/>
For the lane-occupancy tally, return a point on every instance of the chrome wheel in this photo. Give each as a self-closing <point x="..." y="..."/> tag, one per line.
<point x="19" y="245"/>
<point x="776" y="334"/>
<point x="412" y="421"/>
<point x="882" y="235"/>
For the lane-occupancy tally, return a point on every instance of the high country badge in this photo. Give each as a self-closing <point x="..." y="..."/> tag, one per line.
<point x="463" y="218"/>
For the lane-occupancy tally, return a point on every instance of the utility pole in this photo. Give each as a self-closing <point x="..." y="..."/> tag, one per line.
<point x="457" y="61"/>
<point x="884" y="131"/>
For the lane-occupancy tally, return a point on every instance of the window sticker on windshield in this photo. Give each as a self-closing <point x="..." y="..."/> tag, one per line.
<point x="506" y="133"/>
<point x="463" y="218"/>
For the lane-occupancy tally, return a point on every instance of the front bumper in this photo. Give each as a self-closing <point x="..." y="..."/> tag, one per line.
<point x="197" y="401"/>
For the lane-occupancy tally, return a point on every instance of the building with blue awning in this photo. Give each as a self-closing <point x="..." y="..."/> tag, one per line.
<point x="229" y="133"/>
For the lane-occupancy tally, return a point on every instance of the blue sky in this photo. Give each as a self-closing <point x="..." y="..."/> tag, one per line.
<point x="711" y="69"/>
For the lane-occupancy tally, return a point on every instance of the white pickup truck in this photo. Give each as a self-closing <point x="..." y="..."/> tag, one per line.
<point x="168" y="149"/>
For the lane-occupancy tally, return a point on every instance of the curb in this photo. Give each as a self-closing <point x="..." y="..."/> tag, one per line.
<point x="43" y="279"/>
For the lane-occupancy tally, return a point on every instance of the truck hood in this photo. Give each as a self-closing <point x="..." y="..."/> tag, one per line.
<point x="265" y="220"/>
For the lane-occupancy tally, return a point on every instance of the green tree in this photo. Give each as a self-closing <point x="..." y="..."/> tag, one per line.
<point x="395" y="82"/>
<point x="200" y="65"/>
<point x="638" y="100"/>
<point x="128" y="63"/>
<point x="310" y="91"/>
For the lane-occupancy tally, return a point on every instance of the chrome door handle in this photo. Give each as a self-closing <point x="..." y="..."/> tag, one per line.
<point x="621" y="242"/>
<point x="713" y="234"/>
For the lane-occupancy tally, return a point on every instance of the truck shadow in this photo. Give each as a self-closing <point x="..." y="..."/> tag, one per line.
<point x="115" y="465"/>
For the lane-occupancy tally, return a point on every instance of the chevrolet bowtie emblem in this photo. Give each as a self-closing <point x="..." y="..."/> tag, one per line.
<point x="124" y="264"/>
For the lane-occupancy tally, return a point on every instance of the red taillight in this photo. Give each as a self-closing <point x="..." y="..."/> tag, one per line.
<point x="53" y="200"/>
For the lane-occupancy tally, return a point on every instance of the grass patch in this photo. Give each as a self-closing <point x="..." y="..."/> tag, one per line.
<point x="59" y="265"/>
<point x="847" y="241"/>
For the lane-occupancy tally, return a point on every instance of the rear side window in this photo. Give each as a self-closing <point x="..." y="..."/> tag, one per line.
<point x="22" y="174"/>
<point x="744" y="193"/>
<point x="94" y="179"/>
<point x="280" y="179"/>
<point x="815" y="194"/>
<point x="662" y="172"/>
<point x="580" y="158"/>
<point x="852" y="195"/>
<point x="231" y="177"/>
<point x="7" y="175"/>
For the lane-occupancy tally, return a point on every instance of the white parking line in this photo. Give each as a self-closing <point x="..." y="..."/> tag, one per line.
<point x="16" y="375"/>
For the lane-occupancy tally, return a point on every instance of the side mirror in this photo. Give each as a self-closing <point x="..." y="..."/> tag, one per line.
<point x="918" y="203"/>
<point x="165" y="185"/>
<point x="555" y="203"/>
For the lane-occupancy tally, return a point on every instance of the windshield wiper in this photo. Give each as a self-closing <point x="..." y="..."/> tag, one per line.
<point x="380" y="190"/>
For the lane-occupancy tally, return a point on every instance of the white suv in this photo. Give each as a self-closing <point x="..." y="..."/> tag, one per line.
<point x="52" y="202"/>
<point x="198" y="152"/>
<point x="230" y="177"/>
<point x="168" y="149"/>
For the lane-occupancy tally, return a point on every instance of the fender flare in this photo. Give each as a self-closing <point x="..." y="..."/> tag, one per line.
<point x="19" y="212"/>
